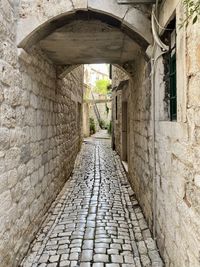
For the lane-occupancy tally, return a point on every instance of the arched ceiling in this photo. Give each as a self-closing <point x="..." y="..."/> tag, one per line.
<point x="89" y="41"/>
<point x="91" y="35"/>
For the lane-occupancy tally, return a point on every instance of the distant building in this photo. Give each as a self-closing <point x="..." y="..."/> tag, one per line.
<point x="96" y="106"/>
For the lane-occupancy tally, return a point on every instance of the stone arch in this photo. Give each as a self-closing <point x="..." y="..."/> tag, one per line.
<point x="66" y="70"/>
<point x="37" y="21"/>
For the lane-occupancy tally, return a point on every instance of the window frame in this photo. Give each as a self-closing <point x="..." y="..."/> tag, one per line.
<point x="173" y="87"/>
<point x="170" y="76"/>
<point x="116" y="108"/>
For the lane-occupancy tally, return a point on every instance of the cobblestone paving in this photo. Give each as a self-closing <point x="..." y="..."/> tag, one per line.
<point x="96" y="220"/>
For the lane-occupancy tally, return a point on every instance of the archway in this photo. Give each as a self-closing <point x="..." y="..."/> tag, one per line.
<point x="79" y="32"/>
<point x="69" y="33"/>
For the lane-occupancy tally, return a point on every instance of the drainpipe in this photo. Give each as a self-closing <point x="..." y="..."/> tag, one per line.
<point x="154" y="61"/>
<point x="153" y="145"/>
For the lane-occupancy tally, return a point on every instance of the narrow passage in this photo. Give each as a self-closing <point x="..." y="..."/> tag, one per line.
<point x="96" y="220"/>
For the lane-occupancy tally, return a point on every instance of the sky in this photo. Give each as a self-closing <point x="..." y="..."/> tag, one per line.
<point x="101" y="67"/>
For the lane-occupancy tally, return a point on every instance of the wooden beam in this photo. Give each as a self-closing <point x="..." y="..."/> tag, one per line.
<point x="127" y="2"/>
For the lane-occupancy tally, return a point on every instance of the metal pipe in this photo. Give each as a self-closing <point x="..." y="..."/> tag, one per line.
<point x="155" y="34"/>
<point x="153" y="67"/>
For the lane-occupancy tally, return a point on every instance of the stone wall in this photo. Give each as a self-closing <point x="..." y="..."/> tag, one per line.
<point x="140" y="159"/>
<point x="177" y="146"/>
<point x="105" y="117"/>
<point x="118" y="76"/>
<point x="86" y="123"/>
<point x="117" y="120"/>
<point x="40" y="136"/>
<point x="138" y="97"/>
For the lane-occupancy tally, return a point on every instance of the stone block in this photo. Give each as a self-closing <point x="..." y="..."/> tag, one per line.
<point x="26" y="185"/>
<point x="38" y="190"/>
<point x="12" y="178"/>
<point x="25" y="154"/>
<point x="12" y="158"/>
<point x="194" y="94"/>
<point x="80" y="4"/>
<point x="8" y="53"/>
<point x="109" y="8"/>
<point x="6" y="73"/>
<point x="3" y="182"/>
<point x="193" y="45"/>
<point x="20" y="113"/>
<point x="16" y="192"/>
<point x="22" y="171"/>
<point x="6" y="201"/>
<point x="30" y="117"/>
<point x="197" y="180"/>
<point x="8" y="116"/>
<point x="25" y="98"/>
<point x="41" y="173"/>
<point x="13" y="96"/>
<point x="34" y="178"/>
<point x="26" y="82"/>
<point x="33" y="101"/>
<point x="4" y="138"/>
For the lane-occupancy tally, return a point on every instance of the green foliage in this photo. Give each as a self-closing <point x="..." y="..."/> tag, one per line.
<point x="107" y="109"/>
<point x="192" y="11"/>
<point x="102" y="86"/>
<point x="109" y="127"/>
<point x="102" y="124"/>
<point x="92" y="126"/>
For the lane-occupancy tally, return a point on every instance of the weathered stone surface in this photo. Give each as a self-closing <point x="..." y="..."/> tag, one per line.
<point x="12" y="178"/>
<point x="39" y="139"/>
<point x="97" y="181"/>
<point x="12" y="158"/>
<point x="6" y="202"/>
<point x="8" y="116"/>
<point x="4" y="138"/>
<point x="3" y="182"/>
<point x="31" y="19"/>
<point x="80" y="4"/>
<point x="176" y="177"/>
<point x="13" y="96"/>
<point x="25" y="153"/>
<point x="34" y="122"/>
<point x="111" y="7"/>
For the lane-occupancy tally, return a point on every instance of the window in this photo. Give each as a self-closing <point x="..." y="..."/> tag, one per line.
<point x="169" y="38"/>
<point x="173" y="95"/>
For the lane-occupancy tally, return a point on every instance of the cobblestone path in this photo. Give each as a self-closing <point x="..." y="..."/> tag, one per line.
<point x="95" y="221"/>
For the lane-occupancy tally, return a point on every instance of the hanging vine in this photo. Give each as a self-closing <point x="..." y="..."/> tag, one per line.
<point x="192" y="11"/>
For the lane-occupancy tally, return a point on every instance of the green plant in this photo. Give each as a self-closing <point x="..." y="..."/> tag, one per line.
<point x="109" y="127"/>
<point x="107" y="109"/>
<point x="102" y="124"/>
<point x="102" y="86"/>
<point x="92" y="126"/>
<point x="192" y="11"/>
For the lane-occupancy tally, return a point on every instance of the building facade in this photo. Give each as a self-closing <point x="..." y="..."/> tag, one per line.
<point x="156" y="130"/>
<point x="97" y="106"/>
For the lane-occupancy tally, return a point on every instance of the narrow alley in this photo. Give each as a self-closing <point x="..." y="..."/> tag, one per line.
<point x="95" y="220"/>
